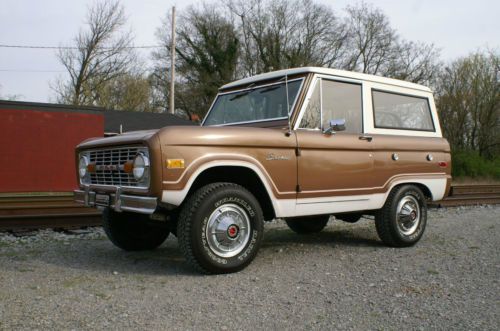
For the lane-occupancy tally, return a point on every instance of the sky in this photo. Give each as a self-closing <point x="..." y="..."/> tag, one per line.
<point x="457" y="27"/>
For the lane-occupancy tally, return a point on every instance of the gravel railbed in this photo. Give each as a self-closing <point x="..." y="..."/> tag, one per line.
<point x="342" y="278"/>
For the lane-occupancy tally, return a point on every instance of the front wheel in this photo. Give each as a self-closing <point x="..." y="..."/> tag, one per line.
<point x="220" y="228"/>
<point x="402" y="220"/>
<point x="132" y="232"/>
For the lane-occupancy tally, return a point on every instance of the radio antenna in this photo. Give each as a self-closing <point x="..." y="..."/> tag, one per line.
<point x="289" y="132"/>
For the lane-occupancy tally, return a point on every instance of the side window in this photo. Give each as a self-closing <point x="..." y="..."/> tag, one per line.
<point x="312" y="115"/>
<point x="342" y="101"/>
<point x="334" y="101"/>
<point x="402" y="112"/>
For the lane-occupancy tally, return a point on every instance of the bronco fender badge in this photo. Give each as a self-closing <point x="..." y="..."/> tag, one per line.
<point x="274" y="157"/>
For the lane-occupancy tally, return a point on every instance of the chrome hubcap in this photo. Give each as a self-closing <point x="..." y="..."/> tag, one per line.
<point x="408" y="215"/>
<point x="228" y="230"/>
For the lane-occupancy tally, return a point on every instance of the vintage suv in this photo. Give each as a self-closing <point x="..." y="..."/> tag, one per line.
<point x="299" y="144"/>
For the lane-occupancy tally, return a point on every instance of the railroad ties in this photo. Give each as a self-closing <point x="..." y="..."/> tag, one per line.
<point x="475" y="194"/>
<point x="34" y="211"/>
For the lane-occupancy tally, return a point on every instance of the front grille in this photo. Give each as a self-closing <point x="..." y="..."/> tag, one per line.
<point x="109" y="166"/>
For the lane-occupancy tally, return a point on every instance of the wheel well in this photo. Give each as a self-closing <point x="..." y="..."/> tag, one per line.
<point x="425" y="190"/>
<point x="238" y="175"/>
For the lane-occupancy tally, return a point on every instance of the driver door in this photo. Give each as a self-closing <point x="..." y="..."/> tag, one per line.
<point x="335" y="171"/>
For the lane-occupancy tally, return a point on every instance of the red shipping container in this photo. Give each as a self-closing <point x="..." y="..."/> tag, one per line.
<point x="37" y="148"/>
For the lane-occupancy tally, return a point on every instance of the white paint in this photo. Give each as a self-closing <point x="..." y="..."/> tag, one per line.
<point x="176" y="197"/>
<point x="369" y="126"/>
<point x="367" y="87"/>
<point x="348" y="203"/>
<point x="227" y="159"/>
<point x="329" y="72"/>
<point x="310" y="206"/>
<point x="332" y="205"/>
<point x="399" y="178"/>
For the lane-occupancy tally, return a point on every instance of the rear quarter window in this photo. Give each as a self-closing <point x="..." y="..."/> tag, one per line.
<point x="401" y="112"/>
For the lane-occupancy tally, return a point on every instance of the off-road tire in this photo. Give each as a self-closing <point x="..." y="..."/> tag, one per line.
<point x="306" y="225"/>
<point x="195" y="219"/>
<point x="349" y="218"/>
<point x="386" y="219"/>
<point x="131" y="231"/>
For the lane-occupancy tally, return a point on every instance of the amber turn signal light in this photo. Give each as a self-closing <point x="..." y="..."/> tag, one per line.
<point x="91" y="167"/>
<point x="128" y="167"/>
<point x="175" y="163"/>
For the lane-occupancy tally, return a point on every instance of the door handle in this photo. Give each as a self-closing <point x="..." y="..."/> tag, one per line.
<point x="368" y="138"/>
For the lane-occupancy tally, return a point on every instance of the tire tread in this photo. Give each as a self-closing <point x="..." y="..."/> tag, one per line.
<point x="384" y="218"/>
<point x="184" y="224"/>
<point x="130" y="241"/>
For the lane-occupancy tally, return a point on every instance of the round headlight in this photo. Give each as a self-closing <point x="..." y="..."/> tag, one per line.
<point x="82" y="166"/>
<point x="141" y="163"/>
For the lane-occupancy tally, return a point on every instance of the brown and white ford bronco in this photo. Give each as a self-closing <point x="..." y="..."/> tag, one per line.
<point x="299" y="144"/>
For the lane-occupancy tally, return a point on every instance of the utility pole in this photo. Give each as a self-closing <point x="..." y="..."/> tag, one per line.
<point x="172" y="65"/>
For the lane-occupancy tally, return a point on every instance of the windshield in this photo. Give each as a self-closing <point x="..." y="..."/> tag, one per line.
<point x="259" y="103"/>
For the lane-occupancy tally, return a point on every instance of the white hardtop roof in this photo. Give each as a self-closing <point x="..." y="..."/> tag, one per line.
<point x="329" y="72"/>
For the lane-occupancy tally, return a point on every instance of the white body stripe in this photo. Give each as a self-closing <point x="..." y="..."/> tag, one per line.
<point x="175" y="197"/>
<point x="311" y="206"/>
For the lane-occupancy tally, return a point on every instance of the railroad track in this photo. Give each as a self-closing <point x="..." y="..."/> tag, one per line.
<point x="474" y="194"/>
<point x="30" y="211"/>
<point x="18" y="212"/>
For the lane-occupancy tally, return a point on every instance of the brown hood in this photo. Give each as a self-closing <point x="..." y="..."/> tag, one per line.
<point x="132" y="137"/>
<point x="224" y="136"/>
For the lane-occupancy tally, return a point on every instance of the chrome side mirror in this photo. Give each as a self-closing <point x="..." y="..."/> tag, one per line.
<point x="335" y="126"/>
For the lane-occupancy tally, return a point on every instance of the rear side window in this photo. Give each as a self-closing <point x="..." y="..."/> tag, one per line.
<point x="402" y="112"/>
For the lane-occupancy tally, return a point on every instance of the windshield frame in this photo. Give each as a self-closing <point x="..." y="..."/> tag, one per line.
<point x="253" y="86"/>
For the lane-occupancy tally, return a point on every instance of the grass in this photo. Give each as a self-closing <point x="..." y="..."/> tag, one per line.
<point x="472" y="181"/>
<point x="432" y="272"/>
<point x="469" y="165"/>
<point x="17" y="256"/>
<point x="102" y="296"/>
<point x="75" y="281"/>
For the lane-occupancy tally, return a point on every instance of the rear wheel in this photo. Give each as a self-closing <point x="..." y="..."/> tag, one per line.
<point x="305" y="225"/>
<point x="402" y="220"/>
<point x="132" y="232"/>
<point x="220" y="228"/>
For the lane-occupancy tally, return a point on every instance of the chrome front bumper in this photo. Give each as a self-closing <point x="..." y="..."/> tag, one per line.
<point x="116" y="201"/>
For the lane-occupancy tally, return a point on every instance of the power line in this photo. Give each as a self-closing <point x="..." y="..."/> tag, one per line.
<point x="29" y="70"/>
<point x="71" y="47"/>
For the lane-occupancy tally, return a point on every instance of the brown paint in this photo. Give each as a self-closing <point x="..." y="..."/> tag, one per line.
<point x="327" y="165"/>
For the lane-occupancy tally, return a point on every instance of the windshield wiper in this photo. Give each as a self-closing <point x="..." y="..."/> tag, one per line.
<point x="237" y="96"/>
<point x="270" y="89"/>
<point x="242" y="94"/>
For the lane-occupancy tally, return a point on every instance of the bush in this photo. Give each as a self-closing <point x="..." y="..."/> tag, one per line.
<point x="471" y="164"/>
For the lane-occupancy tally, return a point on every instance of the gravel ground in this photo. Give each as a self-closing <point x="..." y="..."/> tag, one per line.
<point x="342" y="278"/>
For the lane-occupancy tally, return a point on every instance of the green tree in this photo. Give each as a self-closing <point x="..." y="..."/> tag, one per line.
<point x="126" y="92"/>
<point x="468" y="99"/>
<point x="208" y="51"/>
